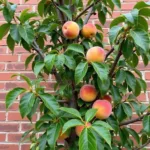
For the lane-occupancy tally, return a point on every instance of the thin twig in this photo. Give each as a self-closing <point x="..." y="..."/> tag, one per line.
<point x="109" y="53"/>
<point x="142" y="146"/>
<point x="88" y="15"/>
<point x="134" y="120"/>
<point x="82" y="12"/>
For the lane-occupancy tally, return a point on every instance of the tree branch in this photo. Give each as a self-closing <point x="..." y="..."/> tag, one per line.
<point x="89" y="15"/>
<point x="109" y="53"/>
<point x="87" y="8"/>
<point x="134" y="120"/>
<point x="142" y="146"/>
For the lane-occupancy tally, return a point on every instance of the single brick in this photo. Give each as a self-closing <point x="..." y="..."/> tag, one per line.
<point x="9" y="127"/>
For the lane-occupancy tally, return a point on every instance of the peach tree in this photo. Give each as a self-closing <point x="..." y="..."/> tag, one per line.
<point x="95" y="93"/>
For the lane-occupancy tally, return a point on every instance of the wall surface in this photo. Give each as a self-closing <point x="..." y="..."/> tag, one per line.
<point x="11" y="124"/>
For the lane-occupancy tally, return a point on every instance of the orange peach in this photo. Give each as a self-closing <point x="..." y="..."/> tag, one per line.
<point x="95" y="54"/>
<point x="88" y="93"/>
<point x="70" y="30"/>
<point x="89" y="30"/>
<point x="79" y="129"/>
<point x="104" y="109"/>
<point x="107" y="97"/>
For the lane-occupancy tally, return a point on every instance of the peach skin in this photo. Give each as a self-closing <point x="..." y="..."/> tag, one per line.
<point x="104" y="109"/>
<point x="89" y="30"/>
<point x="107" y="97"/>
<point x="88" y="93"/>
<point x="70" y="30"/>
<point x="95" y="54"/>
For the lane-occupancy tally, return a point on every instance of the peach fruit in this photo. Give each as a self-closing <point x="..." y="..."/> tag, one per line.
<point x="89" y="30"/>
<point x="107" y="97"/>
<point x="64" y="135"/>
<point x="88" y="93"/>
<point x="104" y="109"/>
<point x="79" y="129"/>
<point x="95" y="54"/>
<point x="70" y="30"/>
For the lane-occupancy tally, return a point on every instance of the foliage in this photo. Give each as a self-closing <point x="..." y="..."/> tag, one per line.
<point x="117" y="76"/>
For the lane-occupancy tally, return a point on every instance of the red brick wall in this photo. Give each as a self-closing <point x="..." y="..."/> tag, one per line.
<point x="11" y="124"/>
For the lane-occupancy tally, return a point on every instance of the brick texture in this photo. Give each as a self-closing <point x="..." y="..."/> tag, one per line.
<point x="11" y="124"/>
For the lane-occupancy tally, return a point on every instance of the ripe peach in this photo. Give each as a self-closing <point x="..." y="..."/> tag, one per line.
<point x="104" y="109"/>
<point x="70" y="30"/>
<point x="79" y="129"/>
<point x="95" y="54"/>
<point x="107" y="97"/>
<point x="89" y="30"/>
<point x="88" y="93"/>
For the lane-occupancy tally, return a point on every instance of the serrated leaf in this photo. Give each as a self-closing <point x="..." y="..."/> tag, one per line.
<point x="71" y="111"/>
<point x="71" y="123"/>
<point x="140" y="38"/>
<point x="87" y="140"/>
<point x="12" y="95"/>
<point x="38" y="67"/>
<point x="90" y="114"/>
<point x="50" y="102"/>
<point x="4" y="28"/>
<point x="28" y="60"/>
<point x="103" y="132"/>
<point x="26" y="104"/>
<point x="80" y="71"/>
<point x="76" y="48"/>
<point x="101" y="70"/>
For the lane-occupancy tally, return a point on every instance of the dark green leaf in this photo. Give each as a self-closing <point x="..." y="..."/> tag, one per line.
<point x="26" y="104"/>
<point x="117" y="21"/>
<point x="14" y="32"/>
<point x="146" y="124"/>
<point x="90" y="114"/>
<point x="80" y="71"/>
<point x="10" y="43"/>
<point x="71" y="111"/>
<point x="12" y="95"/>
<point x="28" y="60"/>
<point x="50" y="102"/>
<point x="137" y="89"/>
<point x="140" y="38"/>
<point x="42" y="142"/>
<point x="102" y="17"/>
<point x="70" y="62"/>
<point x="145" y="12"/>
<point x="141" y="4"/>
<point x="4" y="28"/>
<point x="120" y="76"/>
<point x="142" y="23"/>
<point x="127" y="109"/>
<point x="7" y="15"/>
<point x="113" y="122"/>
<point x="71" y="123"/>
<point x="87" y="140"/>
<point x="38" y="67"/>
<point x="142" y="84"/>
<point x="76" y="48"/>
<point x="41" y="7"/>
<point x="117" y="3"/>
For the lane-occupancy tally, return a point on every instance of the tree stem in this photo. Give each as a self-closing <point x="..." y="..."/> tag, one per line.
<point x="109" y="53"/>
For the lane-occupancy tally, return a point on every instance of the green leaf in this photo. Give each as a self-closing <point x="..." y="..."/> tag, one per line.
<point x="113" y="33"/>
<point x="71" y="123"/>
<point x="80" y="71"/>
<point x="28" y="60"/>
<point x="10" y="43"/>
<point x="53" y="134"/>
<point x="41" y="7"/>
<point x="71" y="111"/>
<point x="103" y="132"/>
<point x="26" y="33"/>
<point x="25" y="15"/>
<point x="90" y="114"/>
<point x="137" y="89"/>
<point x="7" y="15"/>
<point x="38" y="67"/>
<point x="102" y="17"/>
<point x="142" y="23"/>
<point x="115" y="94"/>
<point x="120" y="76"/>
<point x="140" y="38"/>
<point x="14" y="32"/>
<point x="142" y="84"/>
<point x="145" y="12"/>
<point x="114" y="123"/>
<point x="26" y="104"/>
<point x="130" y="80"/>
<point x="66" y="11"/>
<point x="42" y="141"/>
<point x="4" y="28"/>
<point x="117" y="3"/>
<point x="101" y="70"/>
<point x="117" y="21"/>
<point x="134" y="134"/>
<point x="50" y="102"/>
<point x="127" y="109"/>
<point x="141" y="4"/>
<point x="12" y="95"/>
<point x="49" y="61"/>
<point x="76" y="48"/>
<point x="70" y="62"/>
<point x="124" y="135"/>
<point x="103" y="124"/>
<point x="146" y="124"/>
<point x="129" y="17"/>
<point x="87" y="140"/>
